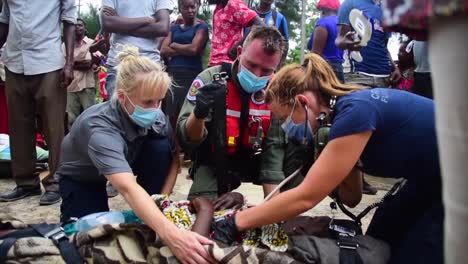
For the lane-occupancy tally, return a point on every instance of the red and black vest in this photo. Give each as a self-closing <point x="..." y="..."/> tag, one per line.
<point x="259" y="115"/>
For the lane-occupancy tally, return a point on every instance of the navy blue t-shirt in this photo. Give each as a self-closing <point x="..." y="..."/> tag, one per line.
<point x="185" y="36"/>
<point x="375" y="54"/>
<point x="403" y="142"/>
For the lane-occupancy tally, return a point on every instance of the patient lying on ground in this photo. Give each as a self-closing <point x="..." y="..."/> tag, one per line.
<point x="199" y="214"/>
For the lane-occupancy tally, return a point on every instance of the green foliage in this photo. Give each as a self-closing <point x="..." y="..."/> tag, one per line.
<point x="293" y="15"/>
<point x="291" y="9"/>
<point x="205" y="14"/>
<point x="91" y="18"/>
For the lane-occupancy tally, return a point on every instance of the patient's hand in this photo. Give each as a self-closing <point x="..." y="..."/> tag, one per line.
<point x="228" y="200"/>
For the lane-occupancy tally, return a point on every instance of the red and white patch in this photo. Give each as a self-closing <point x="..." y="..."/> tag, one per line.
<point x="192" y="93"/>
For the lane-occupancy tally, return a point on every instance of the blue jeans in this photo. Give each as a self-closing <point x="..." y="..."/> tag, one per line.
<point x="151" y="167"/>
<point x="110" y="81"/>
<point x="337" y="67"/>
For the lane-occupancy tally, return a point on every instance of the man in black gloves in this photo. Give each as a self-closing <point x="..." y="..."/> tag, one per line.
<point x="224" y="120"/>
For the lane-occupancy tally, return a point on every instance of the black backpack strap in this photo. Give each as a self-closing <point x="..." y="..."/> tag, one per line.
<point x="5" y="246"/>
<point x="225" y="183"/>
<point x="10" y="239"/>
<point x="348" y="250"/>
<point x="57" y="235"/>
<point x="227" y="68"/>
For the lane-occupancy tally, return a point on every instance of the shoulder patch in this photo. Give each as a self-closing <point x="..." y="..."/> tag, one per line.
<point x="258" y="97"/>
<point x="192" y="93"/>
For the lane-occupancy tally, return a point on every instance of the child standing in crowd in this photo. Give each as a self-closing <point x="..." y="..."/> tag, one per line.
<point x="406" y="65"/>
<point x="81" y="93"/>
<point x="182" y="49"/>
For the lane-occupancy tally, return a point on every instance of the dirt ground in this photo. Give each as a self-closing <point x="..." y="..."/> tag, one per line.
<point x="29" y="211"/>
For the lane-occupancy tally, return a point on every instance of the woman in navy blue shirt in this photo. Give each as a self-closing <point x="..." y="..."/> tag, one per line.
<point x="382" y="132"/>
<point x="182" y="50"/>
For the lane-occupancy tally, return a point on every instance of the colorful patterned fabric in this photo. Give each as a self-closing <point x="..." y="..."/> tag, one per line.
<point x="271" y="237"/>
<point x="228" y="25"/>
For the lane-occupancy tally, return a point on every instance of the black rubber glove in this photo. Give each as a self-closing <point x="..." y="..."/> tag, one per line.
<point x="206" y="97"/>
<point x="225" y="230"/>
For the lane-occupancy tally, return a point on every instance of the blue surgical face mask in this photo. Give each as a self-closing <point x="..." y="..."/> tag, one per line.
<point x="145" y="117"/>
<point x="301" y="132"/>
<point x="250" y="82"/>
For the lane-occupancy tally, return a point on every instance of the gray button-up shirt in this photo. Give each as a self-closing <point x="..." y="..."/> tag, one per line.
<point x="34" y="40"/>
<point x="104" y="141"/>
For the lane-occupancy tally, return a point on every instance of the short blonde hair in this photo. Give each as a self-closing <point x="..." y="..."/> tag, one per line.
<point x="314" y="75"/>
<point x="139" y="74"/>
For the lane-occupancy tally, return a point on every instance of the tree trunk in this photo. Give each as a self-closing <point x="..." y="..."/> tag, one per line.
<point x="303" y="28"/>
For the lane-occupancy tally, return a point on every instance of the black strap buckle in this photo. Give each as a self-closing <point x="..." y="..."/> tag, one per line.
<point x="220" y="77"/>
<point x="347" y="242"/>
<point x="56" y="235"/>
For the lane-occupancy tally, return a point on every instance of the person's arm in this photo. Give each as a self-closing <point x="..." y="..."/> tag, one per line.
<point x="395" y="76"/>
<point x="4" y="23"/>
<point x="345" y="39"/>
<point x="186" y="245"/>
<point x="273" y="156"/>
<point x="172" y="175"/>
<point x="199" y="102"/>
<point x="166" y="51"/>
<point x="69" y="39"/>
<point x="229" y="200"/>
<point x="331" y="168"/>
<point x="320" y="40"/>
<point x="194" y="128"/>
<point x="113" y="23"/>
<point x="3" y="33"/>
<point x="285" y="32"/>
<point x="253" y="22"/>
<point x="350" y="190"/>
<point x="204" y="210"/>
<point x="158" y="28"/>
<point x="194" y="48"/>
<point x="185" y="133"/>
<point x="205" y="98"/>
<point x="256" y="21"/>
<point x="84" y="65"/>
<point x="101" y="45"/>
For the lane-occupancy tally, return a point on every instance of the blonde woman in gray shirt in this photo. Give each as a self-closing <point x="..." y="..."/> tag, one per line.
<point x="116" y="140"/>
